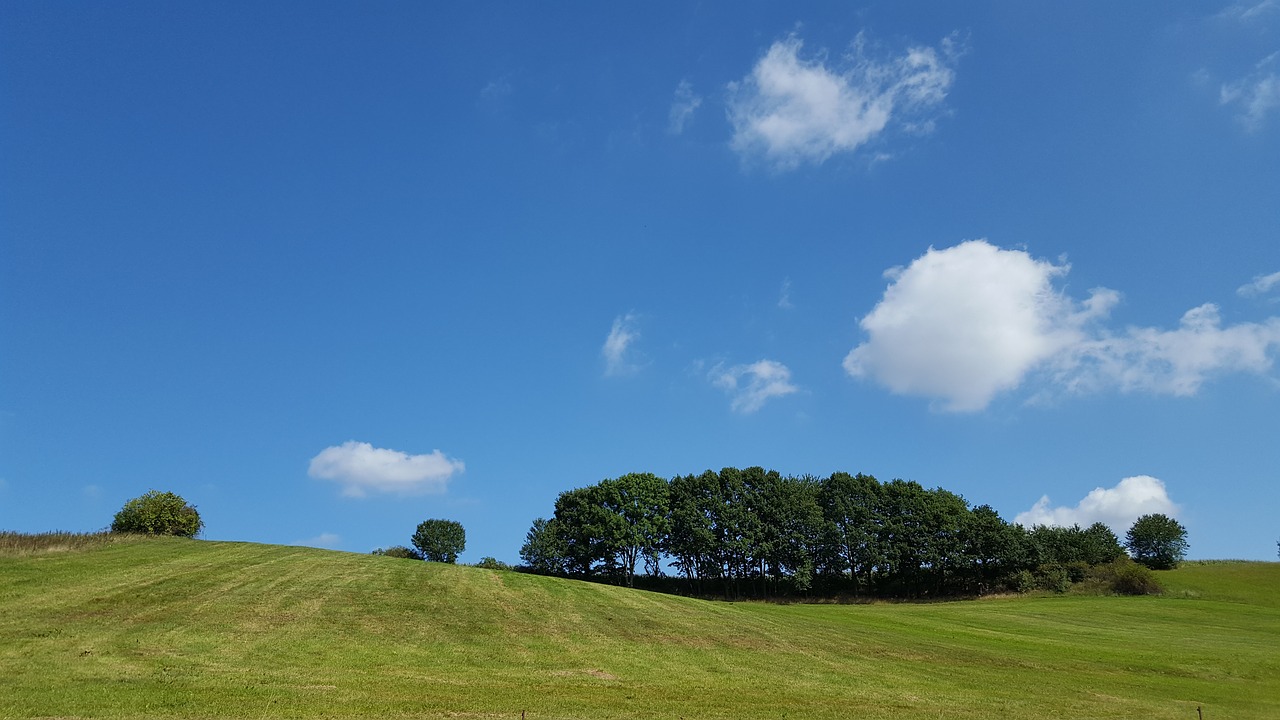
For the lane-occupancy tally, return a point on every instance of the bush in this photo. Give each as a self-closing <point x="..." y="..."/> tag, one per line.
<point x="399" y="551"/>
<point x="489" y="563"/>
<point x="1126" y="577"/>
<point x="158" y="513"/>
<point x="1053" y="576"/>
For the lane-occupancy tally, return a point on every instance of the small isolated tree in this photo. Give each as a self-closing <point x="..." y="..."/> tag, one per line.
<point x="440" y="540"/>
<point x="158" y="513"/>
<point x="1157" y="541"/>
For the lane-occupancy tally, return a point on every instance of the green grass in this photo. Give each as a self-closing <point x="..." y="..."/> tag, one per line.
<point x="170" y="628"/>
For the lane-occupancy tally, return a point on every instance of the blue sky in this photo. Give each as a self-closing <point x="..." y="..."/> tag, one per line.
<point x="328" y="270"/>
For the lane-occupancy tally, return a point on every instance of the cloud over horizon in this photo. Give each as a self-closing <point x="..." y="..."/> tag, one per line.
<point x="751" y="386"/>
<point x="361" y="468"/>
<point x="963" y="324"/>
<point x="1115" y="507"/>
<point x="789" y="110"/>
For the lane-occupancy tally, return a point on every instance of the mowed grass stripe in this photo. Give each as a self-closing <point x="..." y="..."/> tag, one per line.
<point x="189" y="629"/>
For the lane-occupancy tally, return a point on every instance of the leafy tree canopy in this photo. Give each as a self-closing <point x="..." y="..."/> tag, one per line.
<point x="1157" y="541"/>
<point x="158" y="513"/>
<point x="440" y="540"/>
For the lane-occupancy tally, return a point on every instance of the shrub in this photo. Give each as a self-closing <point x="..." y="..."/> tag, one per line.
<point x="1126" y="577"/>
<point x="399" y="551"/>
<point x="1053" y="576"/>
<point x="1022" y="581"/>
<point x="158" y="513"/>
<point x="490" y="563"/>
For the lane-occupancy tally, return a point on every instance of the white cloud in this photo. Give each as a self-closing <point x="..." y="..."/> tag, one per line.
<point x="1260" y="285"/>
<point x="751" y="386"/>
<point x="360" y="468"/>
<point x="1256" y="95"/>
<point x="325" y="540"/>
<point x="966" y="323"/>
<point x="621" y="336"/>
<point x="682" y="107"/>
<point x="791" y="110"/>
<point x="1115" y="507"/>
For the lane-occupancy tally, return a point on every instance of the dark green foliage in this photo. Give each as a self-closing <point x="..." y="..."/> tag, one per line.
<point x="399" y="551"/>
<point x="490" y="563"/>
<point x="158" y="513"/>
<point x="1157" y="541"/>
<point x="440" y="540"/>
<point x="1092" y="546"/>
<point x="1126" y="577"/>
<point x="544" y="551"/>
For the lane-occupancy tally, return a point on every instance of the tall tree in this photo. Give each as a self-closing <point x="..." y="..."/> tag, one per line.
<point x="851" y="505"/>
<point x="440" y="540"/>
<point x="1157" y="541"/>
<point x="639" y="506"/>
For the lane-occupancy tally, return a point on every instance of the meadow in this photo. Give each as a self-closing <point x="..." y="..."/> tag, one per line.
<point x="174" y="628"/>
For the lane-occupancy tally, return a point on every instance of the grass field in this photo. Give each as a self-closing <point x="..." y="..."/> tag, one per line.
<point x="169" y="628"/>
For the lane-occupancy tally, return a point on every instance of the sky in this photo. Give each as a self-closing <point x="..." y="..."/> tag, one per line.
<point x="328" y="270"/>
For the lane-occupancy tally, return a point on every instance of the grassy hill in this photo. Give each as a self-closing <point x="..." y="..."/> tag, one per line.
<point x="169" y="628"/>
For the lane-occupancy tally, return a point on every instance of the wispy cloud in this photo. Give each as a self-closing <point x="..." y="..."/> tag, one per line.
<point x="751" y="386"/>
<point x="1260" y="285"/>
<point x="791" y="110"/>
<point x="1116" y="507"/>
<point x="784" y="296"/>
<point x="326" y="540"/>
<point x="617" y="346"/>
<point x="1255" y="96"/>
<point x="963" y="324"/>
<point x="682" y="107"/>
<point x="361" y="468"/>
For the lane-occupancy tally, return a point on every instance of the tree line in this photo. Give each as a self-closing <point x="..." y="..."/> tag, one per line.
<point x="756" y="533"/>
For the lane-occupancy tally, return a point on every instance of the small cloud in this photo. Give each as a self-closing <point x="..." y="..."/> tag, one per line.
<point x="1115" y="507"/>
<point x="326" y="540"/>
<point x="622" y="335"/>
<point x="751" y="386"/>
<point x="791" y="110"/>
<point x="1256" y="95"/>
<point x="966" y="323"/>
<point x="496" y="89"/>
<point x="682" y="107"/>
<point x="93" y="492"/>
<point x="1260" y="285"/>
<point x="361" y="468"/>
<point x="784" y="297"/>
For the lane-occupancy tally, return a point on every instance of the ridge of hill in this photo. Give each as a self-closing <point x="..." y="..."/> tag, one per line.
<point x="170" y="628"/>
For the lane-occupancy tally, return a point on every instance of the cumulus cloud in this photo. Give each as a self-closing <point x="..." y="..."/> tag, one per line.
<point x="617" y="359"/>
<point x="751" y="386"/>
<point x="1115" y="507"/>
<point x="963" y="324"/>
<point x="682" y="107"/>
<point x="1260" y="285"/>
<point x="361" y="468"/>
<point x="791" y="110"/>
<point x="1256" y="95"/>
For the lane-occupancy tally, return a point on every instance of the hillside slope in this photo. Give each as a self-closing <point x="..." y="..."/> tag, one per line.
<point x="188" y="629"/>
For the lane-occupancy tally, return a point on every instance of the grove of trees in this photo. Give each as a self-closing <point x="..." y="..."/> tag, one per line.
<point x="756" y="533"/>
